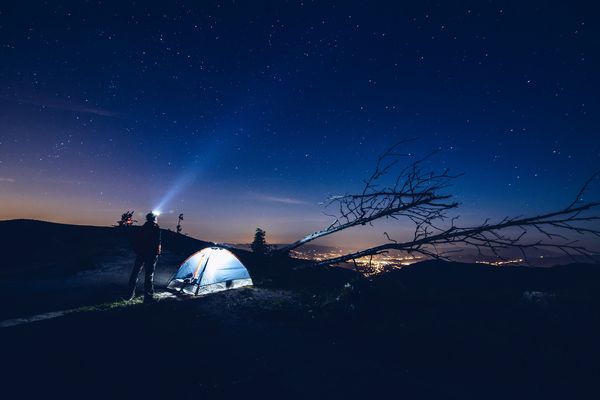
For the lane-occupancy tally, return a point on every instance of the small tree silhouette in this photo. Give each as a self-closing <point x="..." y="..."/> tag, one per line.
<point x="259" y="245"/>
<point x="179" y="219"/>
<point x="126" y="219"/>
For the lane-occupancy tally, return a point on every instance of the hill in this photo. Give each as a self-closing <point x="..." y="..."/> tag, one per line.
<point x="417" y="332"/>
<point x="429" y="330"/>
<point x="52" y="248"/>
<point x="50" y="266"/>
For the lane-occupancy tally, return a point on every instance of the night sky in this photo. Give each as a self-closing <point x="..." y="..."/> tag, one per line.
<point x="246" y="114"/>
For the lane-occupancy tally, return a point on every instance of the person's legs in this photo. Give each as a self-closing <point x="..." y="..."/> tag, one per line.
<point x="149" y="265"/>
<point x="137" y="266"/>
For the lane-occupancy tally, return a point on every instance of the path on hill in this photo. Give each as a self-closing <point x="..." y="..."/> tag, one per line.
<point x="39" y="293"/>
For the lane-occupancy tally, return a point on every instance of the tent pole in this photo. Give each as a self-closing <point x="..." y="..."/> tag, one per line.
<point x="202" y="274"/>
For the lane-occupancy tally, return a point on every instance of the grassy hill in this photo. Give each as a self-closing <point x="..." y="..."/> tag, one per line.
<point x="51" y="248"/>
<point x="49" y="266"/>
<point x="430" y="330"/>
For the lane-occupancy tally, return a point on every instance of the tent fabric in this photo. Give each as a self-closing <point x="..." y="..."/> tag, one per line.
<point x="210" y="270"/>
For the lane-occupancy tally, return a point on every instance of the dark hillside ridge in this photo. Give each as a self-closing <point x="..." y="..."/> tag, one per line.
<point x="479" y="279"/>
<point x="52" y="247"/>
<point x="49" y="266"/>
<point x="433" y="329"/>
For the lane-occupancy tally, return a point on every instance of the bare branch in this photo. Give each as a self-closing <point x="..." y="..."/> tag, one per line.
<point x="413" y="194"/>
<point x="492" y="237"/>
<point x="418" y="195"/>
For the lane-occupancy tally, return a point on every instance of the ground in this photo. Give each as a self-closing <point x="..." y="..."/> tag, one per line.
<point x="432" y="330"/>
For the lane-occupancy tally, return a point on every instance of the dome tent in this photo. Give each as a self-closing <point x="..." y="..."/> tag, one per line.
<point x="210" y="270"/>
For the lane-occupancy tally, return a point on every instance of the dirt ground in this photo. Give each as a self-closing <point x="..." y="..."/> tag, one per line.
<point x="429" y="331"/>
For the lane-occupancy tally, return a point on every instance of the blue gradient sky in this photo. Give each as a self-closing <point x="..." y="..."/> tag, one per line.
<point x="246" y="114"/>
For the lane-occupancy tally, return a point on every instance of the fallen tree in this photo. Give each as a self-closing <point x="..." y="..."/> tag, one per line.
<point x="418" y="195"/>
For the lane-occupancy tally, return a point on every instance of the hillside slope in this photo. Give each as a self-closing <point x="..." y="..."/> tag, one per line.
<point x="57" y="248"/>
<point x="51" y="266"/>
<point x="429" y="331"/>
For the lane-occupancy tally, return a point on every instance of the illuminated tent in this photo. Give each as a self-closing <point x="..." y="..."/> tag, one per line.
<point x="210" y="270"/>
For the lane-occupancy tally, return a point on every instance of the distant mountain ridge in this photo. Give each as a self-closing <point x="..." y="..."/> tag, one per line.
<point x="539" y="258"/>
<point x="309" y="246"/>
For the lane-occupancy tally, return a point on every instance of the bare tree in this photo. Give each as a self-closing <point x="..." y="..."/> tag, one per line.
<point x="126" y="219"/>
<point x="418" y="195"/>
<point x="179" y="219"/>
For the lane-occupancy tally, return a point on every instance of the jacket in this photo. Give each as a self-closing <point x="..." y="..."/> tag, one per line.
<point x="146" y="240"/>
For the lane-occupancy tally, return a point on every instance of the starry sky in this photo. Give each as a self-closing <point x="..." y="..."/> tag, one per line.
<point x="245" y="114"/>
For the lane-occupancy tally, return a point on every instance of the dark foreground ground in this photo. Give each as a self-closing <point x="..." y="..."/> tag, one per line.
<point x="432" y="330"/>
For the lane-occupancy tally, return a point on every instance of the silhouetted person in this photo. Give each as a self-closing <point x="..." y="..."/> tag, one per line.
<point x="146" y="244"/>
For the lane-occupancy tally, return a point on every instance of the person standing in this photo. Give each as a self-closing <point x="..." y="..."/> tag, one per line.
<point x="147" y="247"/>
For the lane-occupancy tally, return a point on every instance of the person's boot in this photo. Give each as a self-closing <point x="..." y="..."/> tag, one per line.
<point x="129" y="297"/>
